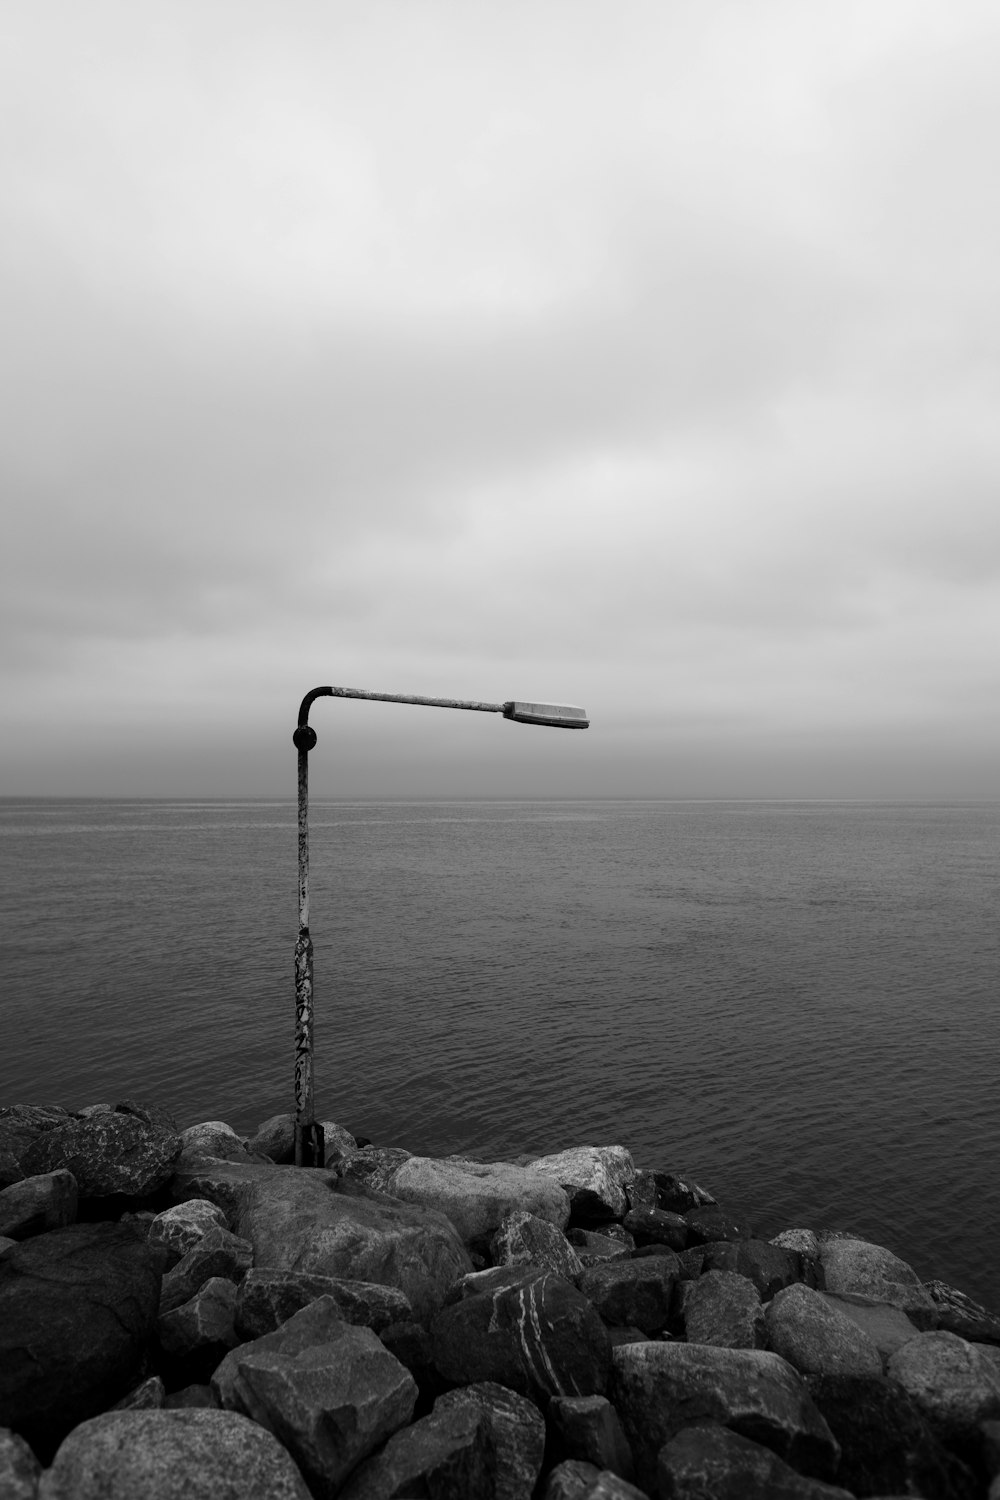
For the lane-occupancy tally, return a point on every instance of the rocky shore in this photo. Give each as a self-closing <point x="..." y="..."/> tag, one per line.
<point x="184" y="1314"/>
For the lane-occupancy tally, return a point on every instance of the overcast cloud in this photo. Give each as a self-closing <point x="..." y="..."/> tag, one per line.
<point x="640" y="356"/>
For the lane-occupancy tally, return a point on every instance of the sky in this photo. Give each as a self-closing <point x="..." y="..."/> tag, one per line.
<point x="636" y="356"/>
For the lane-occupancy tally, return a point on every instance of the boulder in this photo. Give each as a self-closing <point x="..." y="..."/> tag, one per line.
<point x="107" y="1154"/>
<point x="887" y="1446"/>
<point x="77" y="1311"/>
<point x="275" y="1137"/>
<point x="957" y="1313"/>
<point x="211" y="1138"/>
<point x="338" y="1143"/>
<point x="204" y="1322"/>
<point x="150" y="1114"/>
<point x="172" y="1455"/>
<point x="769" y="1267"/>
<point x="595" y="1179"/>
<point x="517" y="1431"/>
<point x="802" y="1241"/>
<point x="22" y="1124"/>
<point x="953" y="1382"/>
<point x="372" y="1166"/>
<point x="664" y="1190"/>
<point x="181" y="1228"/>
<point x="524" y="1239"/>
<point x="10" y="1169"/>
<point x="708" y="1222"/>
<point x="576" y="1480"/>
<point x="658" y="1388"/>
<point x="478" y="1196"/>
<point x="19" y="1468"/>
<point x="594" y="1249"/>
<point x="638" y="1293"/>
<point x="148" y="1395"/>
<point x="35" y="1204"/>
<point x="448" y="1454"/>
<point x="589" y="1428"/>
<point x="266" y="1299"/>
<point x="887" y="1327"/>
<point x="712" y="1460"/>
<point x="533" y="1332"/>
<point x="656" y="1226"/>
<point x="804" y="1328"/>
<point x="853" y="1265"/>
<point x="218" y="1253"/>
<point x="330" y="1390"/>
<point x="722" y="1308"/>
<point x="315" y="1222"/>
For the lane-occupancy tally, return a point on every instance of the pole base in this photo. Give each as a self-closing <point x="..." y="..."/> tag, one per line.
<point x="309" y="1144"/>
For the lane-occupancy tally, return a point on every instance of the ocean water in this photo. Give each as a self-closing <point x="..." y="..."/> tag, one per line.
<point x="798" y="1004"/>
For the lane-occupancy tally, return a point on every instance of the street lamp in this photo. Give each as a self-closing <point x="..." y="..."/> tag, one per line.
<point x="308" y="1133"/>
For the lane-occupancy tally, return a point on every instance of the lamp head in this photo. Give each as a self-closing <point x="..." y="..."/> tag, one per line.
<point x="557" y="715"/>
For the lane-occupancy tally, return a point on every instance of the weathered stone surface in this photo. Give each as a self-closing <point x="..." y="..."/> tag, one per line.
<point x="634" y="1292"/>
<point x="172" y="1455"/>
<point x="266" y="1299"/>
<point x="478" y="1196"/>
<point x="663" y="1190"/>
<point x="448" y="1454"/>
<point x="655" y="1226"/>
<point x="19" y="1468"/>
<point x="524" y="1239"/>
<point x="150" y="1114"/>
<point x="218" y="1253"/>
<point x="887" y="1446"/>
<point x="372" y="1166"/>
<point x="10" y="1169"/>
<point x="329" y="1390"/>
<point x="213" y="1139"/>
<point x="536" y="1334"/>
<point x="22" y="1124"/>
<point x="589" y="1428"/>
<point x="107" y="1154"/>
<point x="708" y="1223"/>
<point x="517" y="1430"/>
<point x="275" y="1137"/>
<point x="769" y="1267"/>
<point x="202" y="1322"/>
<point x="886" y="1326"/>
<point x="77" y="1309"/>
<point x="594" y="1249"/>
<point x="35" y="1204"/>
<point x="595" y="1178"/>
<point x="184" y="1226"/>
<point x="852" y="1265"/>
<point x="574" y="1479"/>
<point x="658" y="1388"/>
<point x="316" y="1222"/>
<point x="804" y="1328"/>
<point x="724" y="1309"/>
<point x="957" y="1313"/>
<point x="338" y="1143"/>
<point x="148" y="1395"/>
<point x="710" y="1460"/>
<point x="954" y="1383"/>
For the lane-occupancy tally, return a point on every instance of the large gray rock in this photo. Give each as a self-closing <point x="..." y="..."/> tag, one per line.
<point x="19" y="1468"/>
<point x="769" y="1267"/>
<point x="182" y="1227"/>
<point x="524" y="1239"/>
<point x="956" y="1384"/>
<point x="806" y="1329"/>
<point x="852" y="1265"/>
<point x="172" y="1455"/>
<point x="709" y="1460"/>
<point x="659" y="1388"/>
<point x="589" y="1428"/>
<point x="532" y="1331"/>
<point x="709" y="1223"/>
<point x="517" y="1430"/>
<point x="328" y="1389"/>
<point x="266" y="1299"/>
<point x="655" y="1226"/>
<point x="313" y="1221"/>
<point x="22" y="1124"/>
<point x="634" y="1293"/>
<point x="722" y="1308"/>
<point x="596" y="1179"/>
<point x="214" y="1139"/>
<point x="204" y="1322"/>
<point x="596" y="1249"/>
<point x="887" y="1327"/>
<point x="372" y="1167"/>
<point x="575" y="1479"/>
<point x="77" y="1312"/>
<point x="448" y="1454"/>
<point x="217" y="1253"/>
<point x="477" y="1196"/>
<point x="36" y="1204"/>
<point x="107" y="1154"/>
<point x="275" y="1137"/>
<point x="958" y="1313"/>
<point x="664" y="1190"/>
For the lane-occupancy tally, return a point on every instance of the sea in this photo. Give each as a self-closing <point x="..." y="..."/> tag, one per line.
<point x="794" y="1004"/>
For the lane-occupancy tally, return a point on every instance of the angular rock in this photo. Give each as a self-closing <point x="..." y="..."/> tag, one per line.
<point x="724" y="1309"/>
<point x="10" y="1169"/>
<point x="524" y="1239"/>
<point x="36" y="1204"/>
<point x="802" y="1241"/>
<point x="181" y="1228"/>
<point x="576" y="1480"/>
<point x="709" y="1223"/>
<point x="19" y="1468"/>
<point x="316" y="1222"/>
<point x="537" y="1334"/>
<point x="815" y="1338"/>
<point x="953" y="1382"/>
<point x="655" y="1226"/>
<point x="664" y="1190"/>
<point x="172" y="1455"/>
<point x="712" y="1460"/>
<point x="594" y="1249"/>
<point x="957" y="1313"/>
<point x="107" y="1154"/>
<point x="887" y="1446"/>
<point x="448" y="1454"/>
<point x="22" y="1124"/>
<point x="768" y="1266"/>
<point x="372" y="1166"/>
<point x="659" y="1388"/>
<point x="887" y="1327"/>
<point x="148" y="1395"/>
<point x="150" y="1114"/>
<point x="517" y="1431"/>
<point x="338" y="1143"/>
<point x="77" y="1310"/>
<point x="634" y="1292"/>
<point x="213" y="1139"/>
<point x="853" y="1265"/>
<point x="595" y="1178"/>
<point x="218" y="1253"/>
<point x="478" y="1196"/>
<point x="275" y="1137"/>
<point x="266" y="1299"/>
<point x="330" y="1390"/>
<point x="204" y="1322"/>
<point x="589" y="1428"/>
